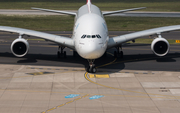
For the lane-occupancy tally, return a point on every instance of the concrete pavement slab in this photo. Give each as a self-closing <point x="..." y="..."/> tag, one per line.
<point x="122" y="93"/>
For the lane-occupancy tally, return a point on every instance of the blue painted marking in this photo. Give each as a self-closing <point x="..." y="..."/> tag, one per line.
<point x="96" y="97"/>
<point x="72" y="95"/>
<point x="104" y="26"/>
<point x="77" y="26"/>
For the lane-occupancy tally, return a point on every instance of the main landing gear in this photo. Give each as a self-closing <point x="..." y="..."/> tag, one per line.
<point x="61" y="53"/>
<point x="91" y="68"/>
<point x="119" y="52"/>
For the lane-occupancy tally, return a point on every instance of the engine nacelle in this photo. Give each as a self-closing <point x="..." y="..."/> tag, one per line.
<point x="20" y="47"/>
<point x="160" y="46"/>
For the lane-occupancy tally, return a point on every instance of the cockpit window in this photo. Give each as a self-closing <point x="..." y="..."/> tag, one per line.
<point x="98" y="36"/>
<point x="88" y="36"/>
<point x="84" y="36"/>
<point x="91" y="36"/>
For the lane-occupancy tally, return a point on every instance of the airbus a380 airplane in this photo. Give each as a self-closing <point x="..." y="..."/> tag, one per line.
<point x="90" y="36"/>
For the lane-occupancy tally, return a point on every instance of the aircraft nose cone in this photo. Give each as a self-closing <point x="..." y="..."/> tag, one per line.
<point x="92" y="50"/>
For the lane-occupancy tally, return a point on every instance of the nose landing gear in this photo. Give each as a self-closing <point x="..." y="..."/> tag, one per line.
<point x="91" y="68"/>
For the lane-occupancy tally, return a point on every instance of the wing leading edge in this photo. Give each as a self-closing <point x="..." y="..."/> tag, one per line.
<point x="122" y="11"/>
<point x="63" y="41"/>
<point x="115" y="41"/>
<point x="55" y="11"/>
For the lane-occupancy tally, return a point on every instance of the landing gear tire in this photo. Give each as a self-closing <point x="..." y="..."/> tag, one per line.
<point x="91" y="69"/>
<point x="94" y="70"/>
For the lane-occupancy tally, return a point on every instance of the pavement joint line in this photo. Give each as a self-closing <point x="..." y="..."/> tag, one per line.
<point x="34" y="75"/>
<point x="127" y="72"/>
<point x="56" y="69"/>
<point x="86" y="93"/>
<point x="65" y="103"/>
<point x="169" y="96"/>
<point x="40" y="73"/>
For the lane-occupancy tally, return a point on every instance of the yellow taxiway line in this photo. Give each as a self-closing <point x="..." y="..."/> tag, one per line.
<point x="65" y="103"/>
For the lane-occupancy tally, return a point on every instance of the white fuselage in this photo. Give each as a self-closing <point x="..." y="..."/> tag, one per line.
<point x="90" y="33"/>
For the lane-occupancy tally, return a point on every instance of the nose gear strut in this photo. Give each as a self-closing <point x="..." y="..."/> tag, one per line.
<point x="91" y="68"/>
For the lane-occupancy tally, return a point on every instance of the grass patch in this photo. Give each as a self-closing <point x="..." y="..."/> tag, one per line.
<point x="138" y="23"/>
<point x="152" y="5"/>
<point x="65" y="23"/>
<point x="40" y="23"/>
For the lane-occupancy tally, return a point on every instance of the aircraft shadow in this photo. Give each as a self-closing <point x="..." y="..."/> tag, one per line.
<point x="103" y="63"/>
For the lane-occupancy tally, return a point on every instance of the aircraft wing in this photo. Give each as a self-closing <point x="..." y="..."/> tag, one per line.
<point x="118" y="40"/>
<point x="55" y="11"/>
<point x="122" y="11"/>
<point x="60" y="40"/>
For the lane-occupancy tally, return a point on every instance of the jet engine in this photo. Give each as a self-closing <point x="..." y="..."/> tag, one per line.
<point x="20" y="47"/>
<point x="160" y="46"/>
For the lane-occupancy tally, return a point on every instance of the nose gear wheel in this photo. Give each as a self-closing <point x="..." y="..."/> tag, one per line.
<point x="91" y="68"/>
